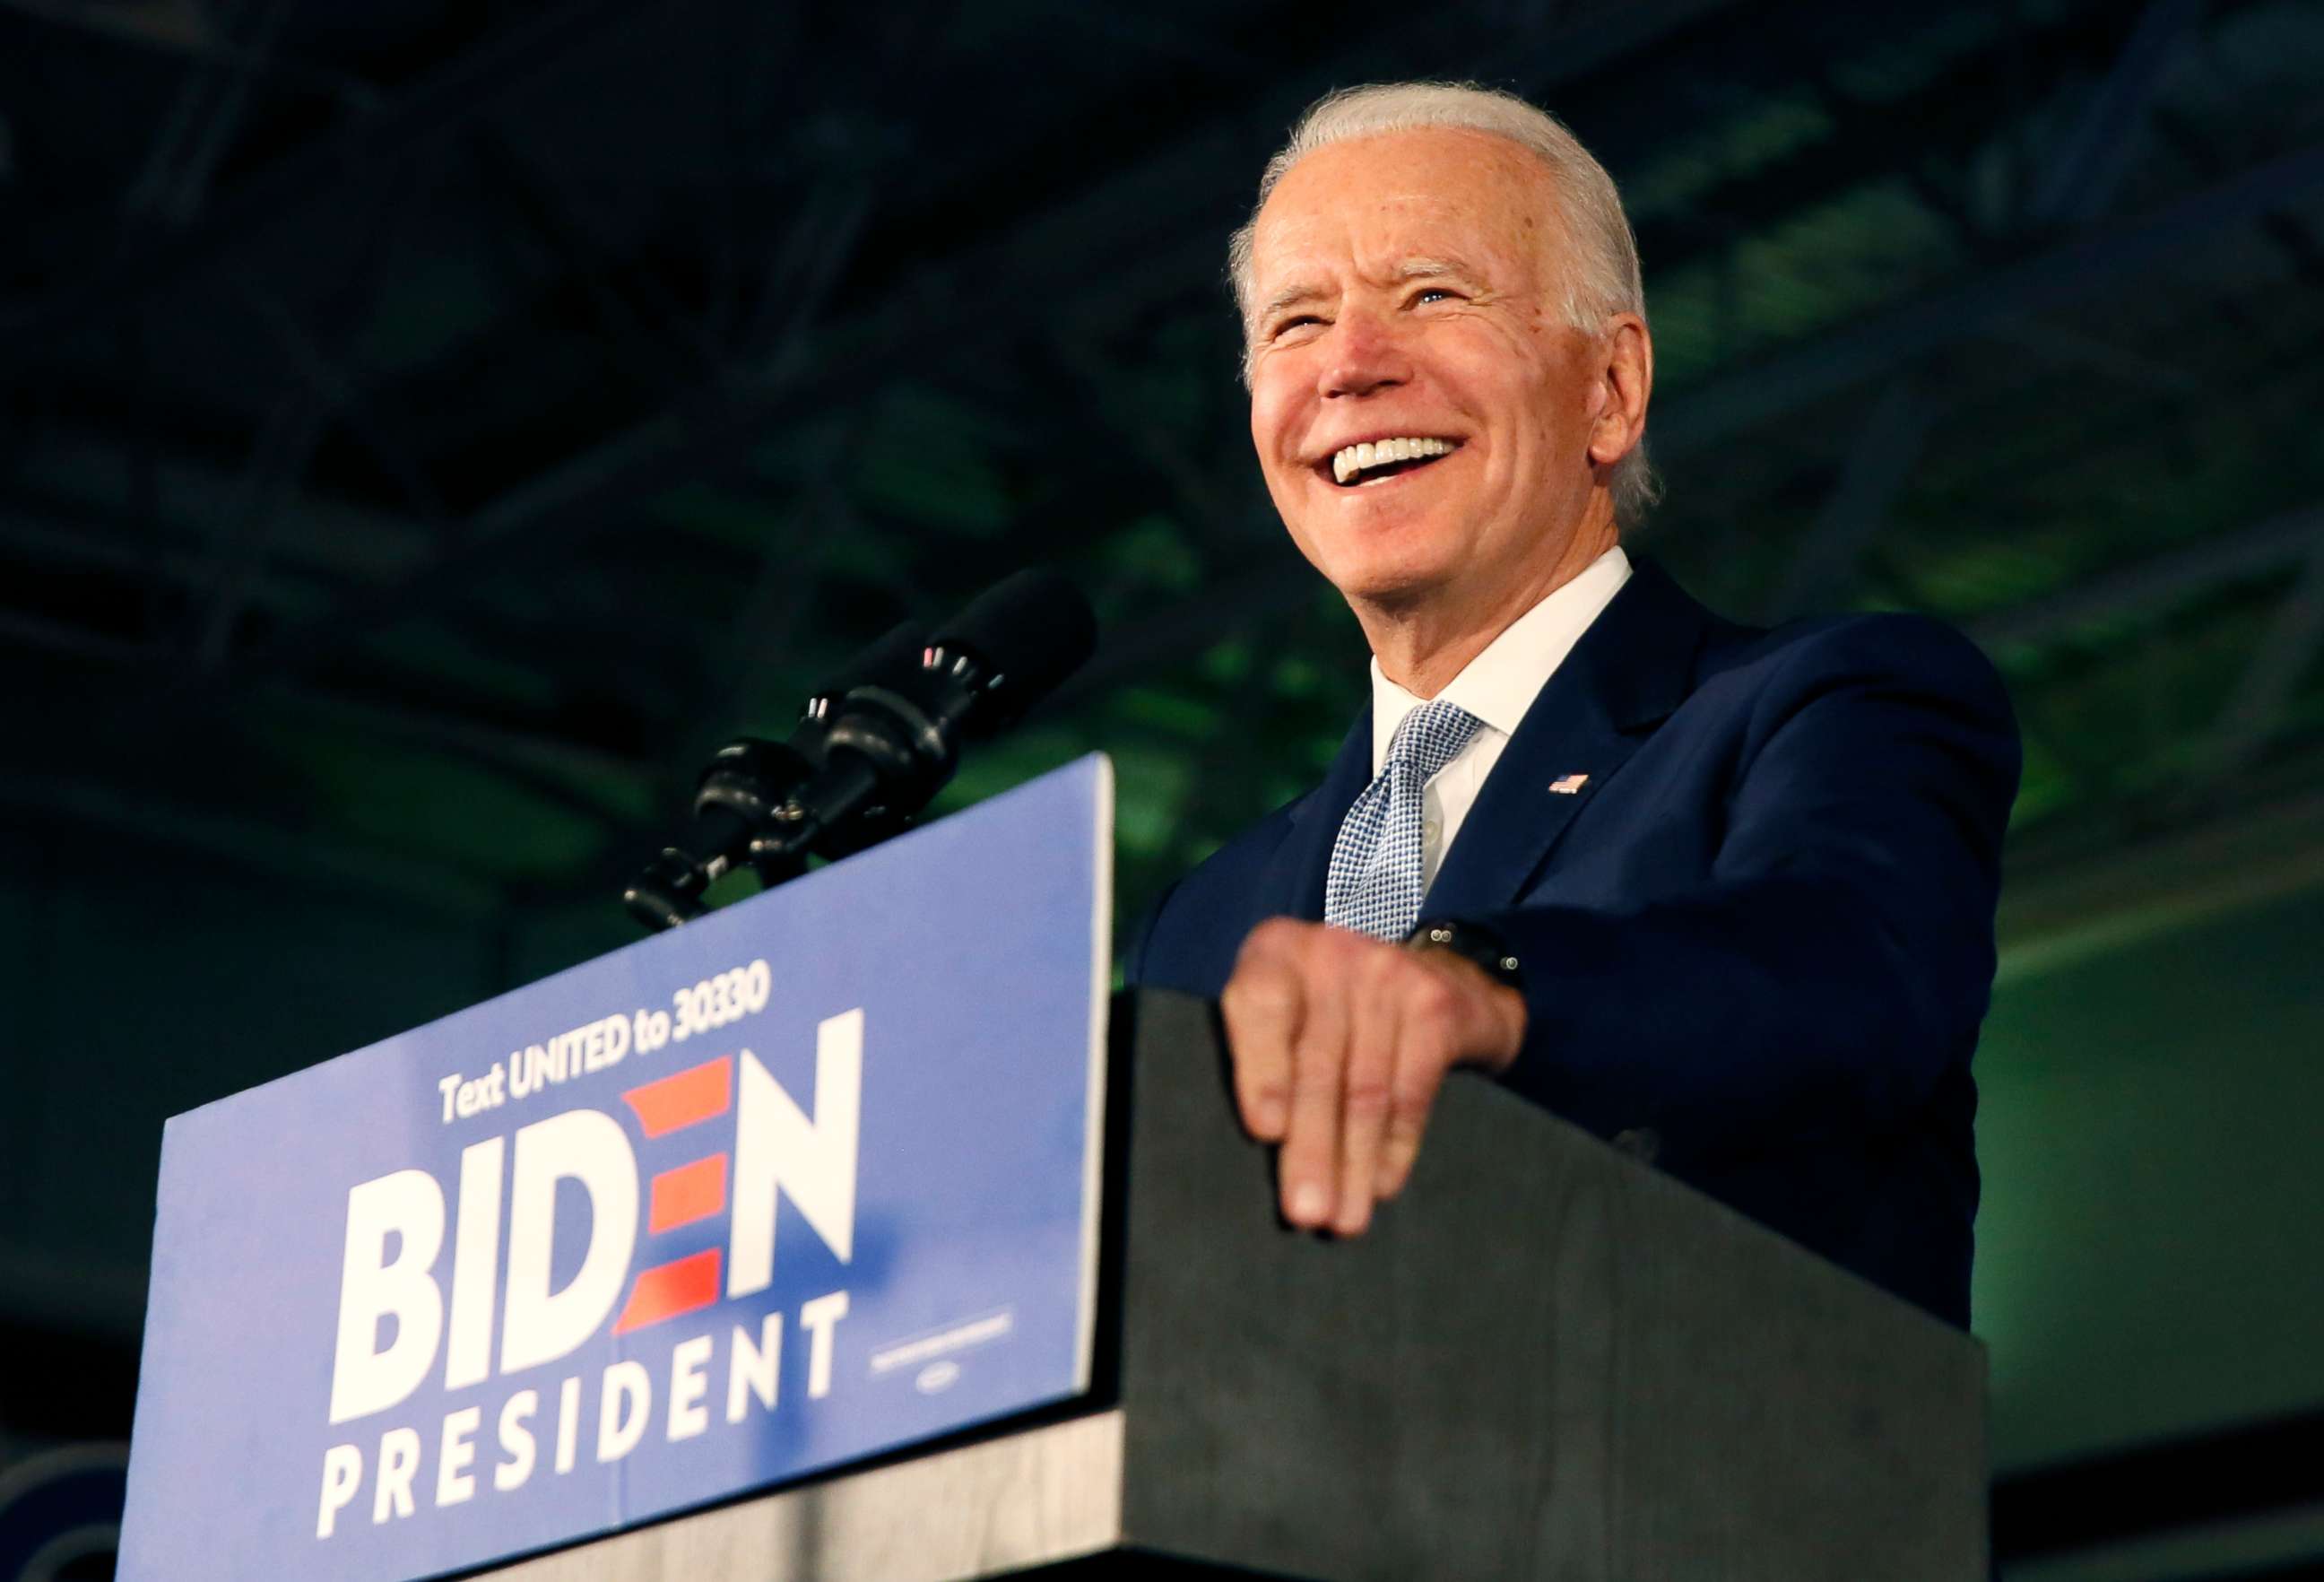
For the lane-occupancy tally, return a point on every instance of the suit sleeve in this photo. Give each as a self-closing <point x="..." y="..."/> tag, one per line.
<point x="1136" y="971"/>
<point x="1838" y="959"/>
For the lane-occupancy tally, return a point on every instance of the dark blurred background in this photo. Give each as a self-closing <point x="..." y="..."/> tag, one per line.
<point x="428" y="428"/>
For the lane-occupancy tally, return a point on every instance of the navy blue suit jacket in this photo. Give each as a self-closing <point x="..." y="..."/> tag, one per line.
<point x="1757" y="942"/>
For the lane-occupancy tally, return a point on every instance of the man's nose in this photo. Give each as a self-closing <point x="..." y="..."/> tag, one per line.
<point x="1366" y="355"/>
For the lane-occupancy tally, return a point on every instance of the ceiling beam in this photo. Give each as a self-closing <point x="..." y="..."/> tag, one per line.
<point x="2110" y="898"/>
<point x="2081" y="180"/>
<point x="441" y="104"/>
<point x="1879" y="462"/>
<point x="211" y="105"/>
<point x="2079" y="183"/>
<point x="1831" y="362"/>
<point x="2154" y="586"/>
<point x="2286" y="652"/>
<point x="304" y="858"/>
<point x="183" y="27"/>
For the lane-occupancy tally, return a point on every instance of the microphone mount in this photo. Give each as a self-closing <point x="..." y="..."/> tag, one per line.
<point x="740" y="788"/>
<point x="869" y="755"/>
<point x="886" y="751"/>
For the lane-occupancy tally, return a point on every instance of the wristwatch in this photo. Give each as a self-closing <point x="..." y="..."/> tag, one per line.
<point x="1471" y="941"/>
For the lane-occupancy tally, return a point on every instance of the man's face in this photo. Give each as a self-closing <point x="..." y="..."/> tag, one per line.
<point x="1405" y="287"/>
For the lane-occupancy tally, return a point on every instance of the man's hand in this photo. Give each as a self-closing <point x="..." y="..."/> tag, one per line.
<point x="1340" y="1044"/>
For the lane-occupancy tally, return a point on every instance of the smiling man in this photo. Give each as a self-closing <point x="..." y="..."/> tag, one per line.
<point x="1724" y="896"/>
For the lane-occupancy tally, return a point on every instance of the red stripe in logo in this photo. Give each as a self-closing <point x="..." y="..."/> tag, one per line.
<point x="687" y="1193"/>
<point x="683" y="1097"/>
<point x="669" y="1290"/>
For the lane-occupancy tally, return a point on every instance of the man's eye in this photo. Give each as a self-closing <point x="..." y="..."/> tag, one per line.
<point x="1426" y="293"/>
<point x="1301" y="322"/>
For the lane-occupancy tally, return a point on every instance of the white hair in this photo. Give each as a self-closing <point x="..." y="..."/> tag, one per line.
<point x="1599" y="264"/>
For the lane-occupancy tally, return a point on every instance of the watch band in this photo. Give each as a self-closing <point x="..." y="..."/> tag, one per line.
<point x="1471" y="941"/>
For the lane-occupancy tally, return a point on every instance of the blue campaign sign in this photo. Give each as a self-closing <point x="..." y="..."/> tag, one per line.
<point x="812" y="1178"/>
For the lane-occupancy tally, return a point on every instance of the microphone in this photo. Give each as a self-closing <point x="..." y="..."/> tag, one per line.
<point x="891" y="747"/>
<point x="746" y="781"/>
<point x="1028" y="632"/>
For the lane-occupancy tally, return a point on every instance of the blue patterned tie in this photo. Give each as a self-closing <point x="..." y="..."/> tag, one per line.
<point x="1374" y="883"/>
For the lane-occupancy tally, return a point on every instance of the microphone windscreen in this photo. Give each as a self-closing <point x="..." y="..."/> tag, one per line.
<point x="1031" y="630"/>
<point x="893" y="659"/>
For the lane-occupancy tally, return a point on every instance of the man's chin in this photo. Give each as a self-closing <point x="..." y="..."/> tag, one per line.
<point x="1384" y="563"/>
<point x="1392" y="588"/>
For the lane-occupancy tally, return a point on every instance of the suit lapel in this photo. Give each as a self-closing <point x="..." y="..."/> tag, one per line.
<point x="1292" y="882"/>
<point x="1630" y="669"/>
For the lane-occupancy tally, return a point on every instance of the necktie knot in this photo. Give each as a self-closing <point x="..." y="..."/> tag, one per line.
<point x="1429" y="738"/>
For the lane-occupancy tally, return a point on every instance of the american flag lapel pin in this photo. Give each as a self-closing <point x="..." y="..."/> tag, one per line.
<point x="1565" y="785"/>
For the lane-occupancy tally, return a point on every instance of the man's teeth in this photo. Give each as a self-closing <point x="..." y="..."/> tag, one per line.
<point x="1358" y="458"/>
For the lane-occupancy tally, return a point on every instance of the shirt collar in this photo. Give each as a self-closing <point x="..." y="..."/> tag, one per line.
<point x="1501" y="684"/>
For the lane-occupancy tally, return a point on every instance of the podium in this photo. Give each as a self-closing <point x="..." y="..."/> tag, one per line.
<point x="890" y="1253"/>
<point x="1545" y="1360"/>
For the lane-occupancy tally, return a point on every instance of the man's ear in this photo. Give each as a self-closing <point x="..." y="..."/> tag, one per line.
<point x="1625" y="383"/>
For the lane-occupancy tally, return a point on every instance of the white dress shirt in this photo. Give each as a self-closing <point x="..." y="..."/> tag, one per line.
<point x="1497" y="687"/>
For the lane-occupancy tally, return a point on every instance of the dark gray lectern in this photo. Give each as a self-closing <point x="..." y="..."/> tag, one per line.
<point x="1545" y="1360"/>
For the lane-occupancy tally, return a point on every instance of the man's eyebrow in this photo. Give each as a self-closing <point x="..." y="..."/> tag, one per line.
<point x="1412" y="268"/>
<point x="1289" y="296"/>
